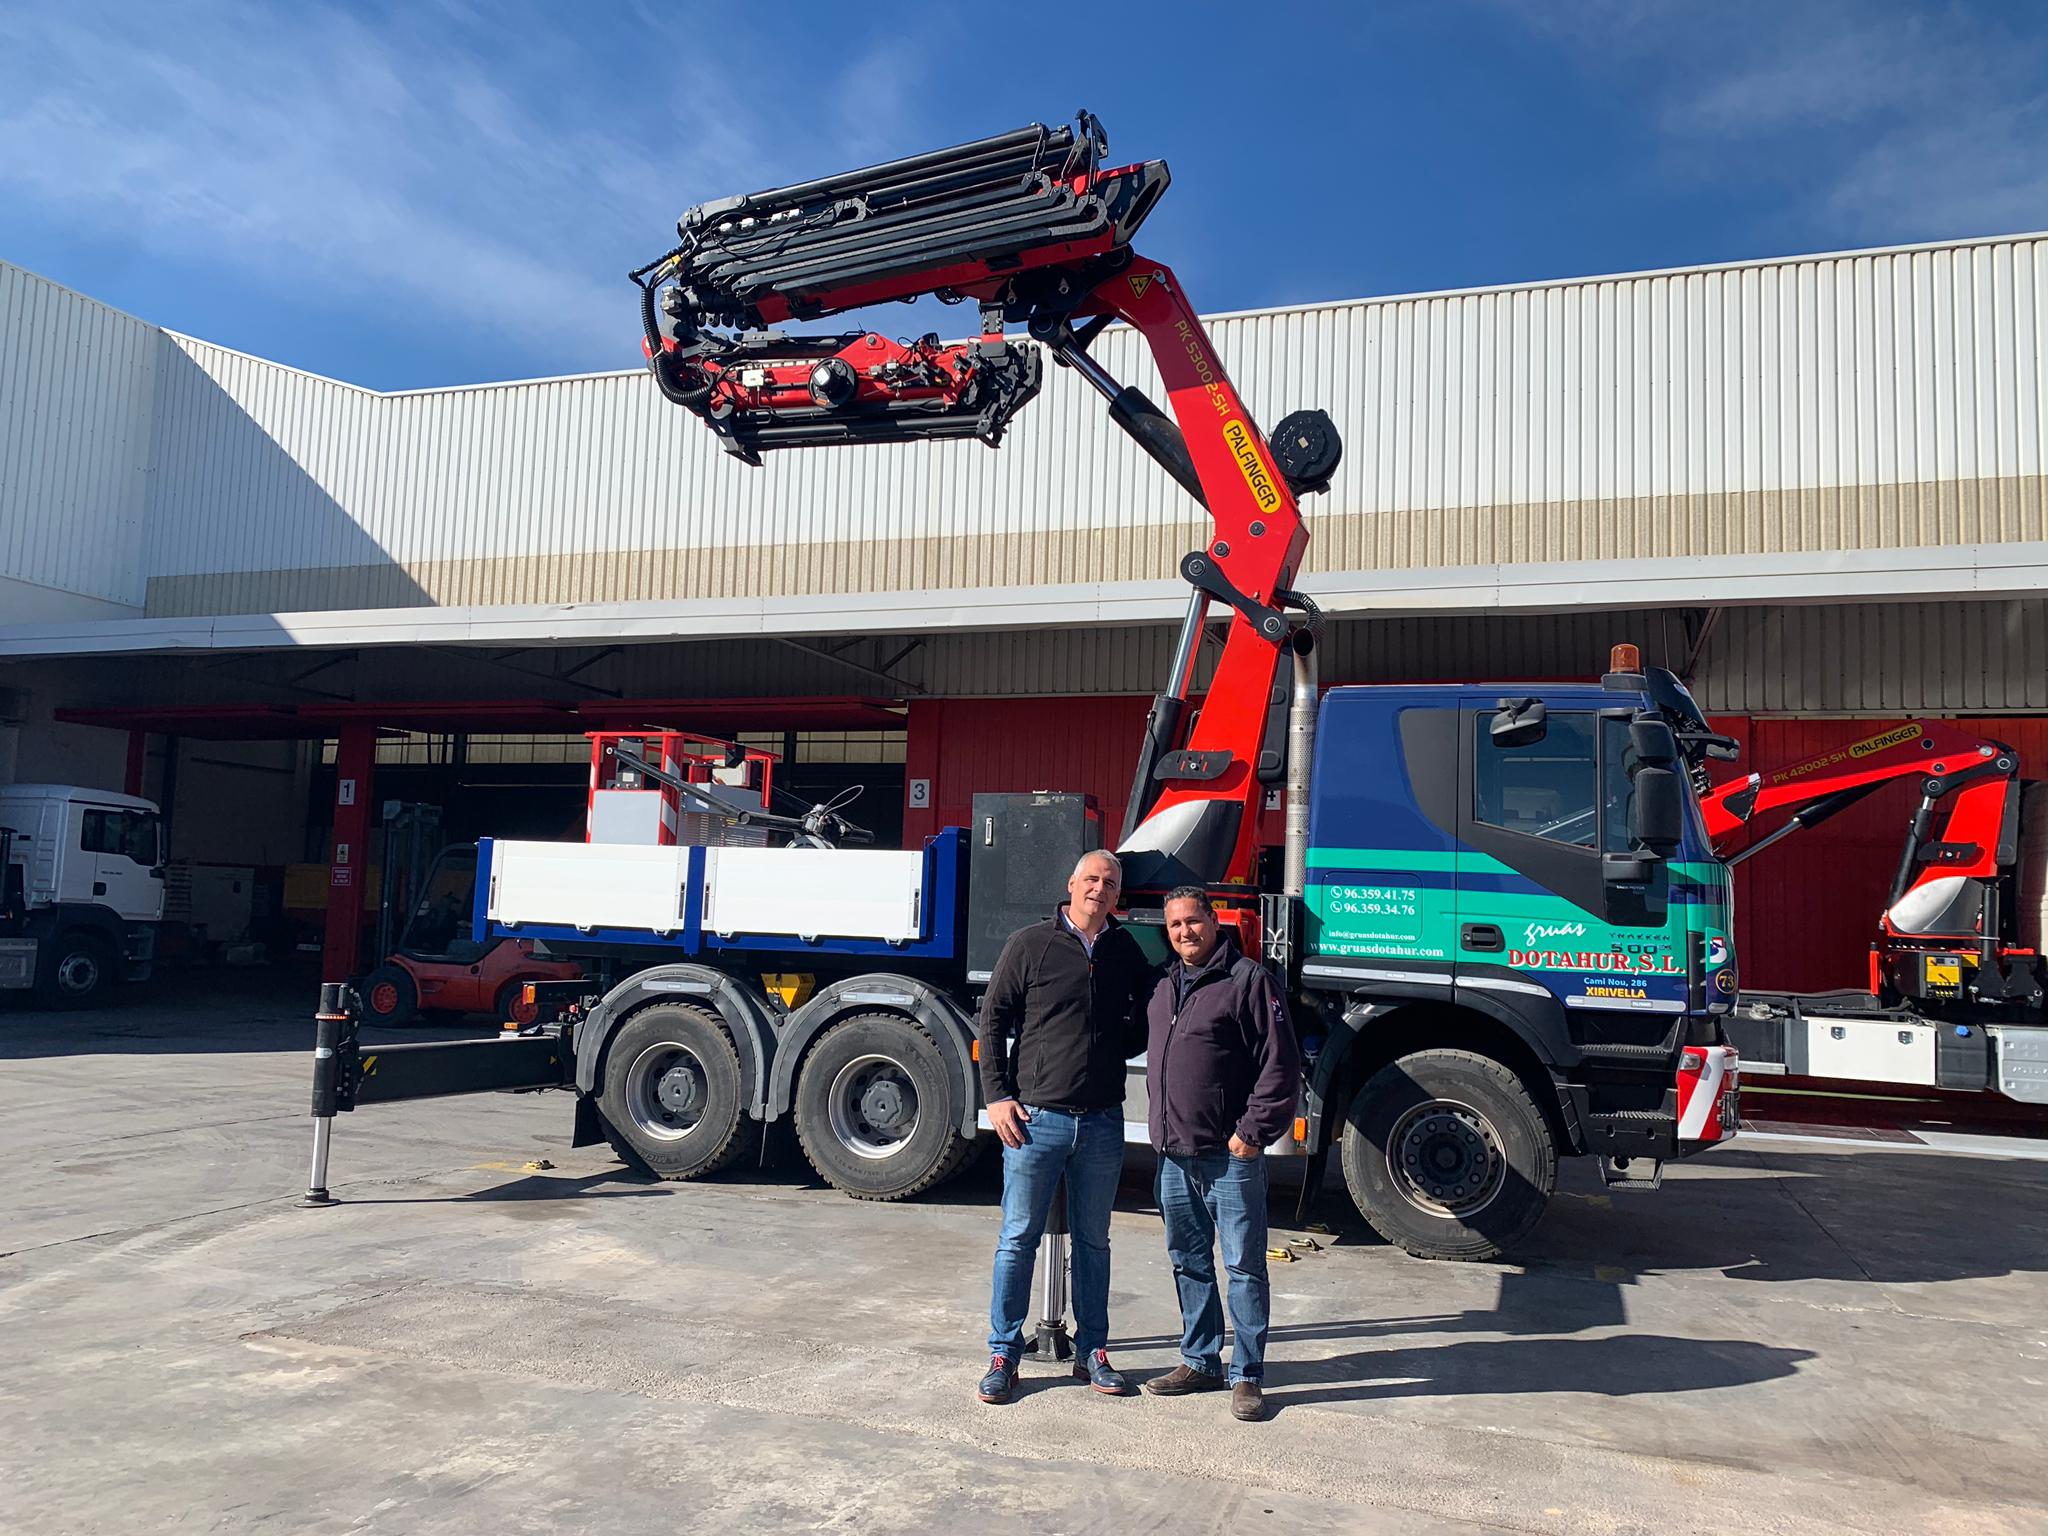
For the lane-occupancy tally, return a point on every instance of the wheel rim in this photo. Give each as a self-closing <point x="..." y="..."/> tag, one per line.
<point x="1445" y="1159"/>
<point x="78" y="972"/>
<point x="667" y="1091"/>
<point x="521" y="1012"/>
<point x="872" y="1106"/>
<point x="384" y="997"/>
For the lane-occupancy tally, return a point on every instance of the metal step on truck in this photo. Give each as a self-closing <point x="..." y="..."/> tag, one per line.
<point x="1501" y="925"/>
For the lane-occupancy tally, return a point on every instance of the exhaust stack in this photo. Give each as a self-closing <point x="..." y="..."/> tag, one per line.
<point x="1301" y="742"/>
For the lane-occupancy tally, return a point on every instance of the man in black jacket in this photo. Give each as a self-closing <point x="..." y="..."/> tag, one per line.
<point x="1223" y="1074"/>
<point x="1072" y="990"/>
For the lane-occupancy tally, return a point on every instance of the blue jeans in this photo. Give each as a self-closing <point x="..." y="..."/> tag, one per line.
<point x="1089" y="1150"/>
<point x="1200" y="1197"/>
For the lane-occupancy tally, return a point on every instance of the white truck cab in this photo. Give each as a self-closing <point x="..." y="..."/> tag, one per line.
<point x="81" y="890"/>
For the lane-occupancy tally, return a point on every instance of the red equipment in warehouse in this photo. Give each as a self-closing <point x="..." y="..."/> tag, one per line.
<point x="668" y="787"/>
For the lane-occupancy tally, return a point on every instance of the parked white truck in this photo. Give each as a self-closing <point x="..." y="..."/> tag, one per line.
<point x="81" y="891"/>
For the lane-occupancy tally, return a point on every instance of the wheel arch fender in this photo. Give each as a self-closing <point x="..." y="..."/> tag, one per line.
<point x="1379" y="1030"/>
<point x="880" y="992"/>
<point x="53" y="922"/>
<point x="746" y="1018"/>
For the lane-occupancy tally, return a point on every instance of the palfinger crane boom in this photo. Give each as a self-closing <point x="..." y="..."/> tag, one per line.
<point x="1032" y="227"/>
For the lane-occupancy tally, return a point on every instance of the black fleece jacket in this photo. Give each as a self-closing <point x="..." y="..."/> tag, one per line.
<point x="1221" y="1056"/>
<point x="1076" y="1019"/>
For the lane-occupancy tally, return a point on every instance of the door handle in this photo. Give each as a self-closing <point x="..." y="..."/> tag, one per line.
<point x="99" y="887"/>
<point x="1482" y="936"/>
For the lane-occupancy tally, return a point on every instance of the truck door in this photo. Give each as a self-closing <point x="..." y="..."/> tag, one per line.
<point x="1549" y="894"/>
<point x="121" y="850"/>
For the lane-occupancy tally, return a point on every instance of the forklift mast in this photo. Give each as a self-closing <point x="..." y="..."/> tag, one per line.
<point x="1035" y="229"/>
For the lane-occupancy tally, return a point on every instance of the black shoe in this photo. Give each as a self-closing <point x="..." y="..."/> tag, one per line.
<point x="1182" y="1380"/>
<point x="1102" y="1376"/>
<point x="1247" y="1401"/>
<point x="1001" y="1378"/>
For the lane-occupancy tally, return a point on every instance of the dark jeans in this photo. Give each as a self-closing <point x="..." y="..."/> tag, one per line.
<point x="1202" y="1197"/>
<point x="1089" y="1150"/>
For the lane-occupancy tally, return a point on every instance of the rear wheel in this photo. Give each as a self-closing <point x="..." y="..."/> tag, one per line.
<point x="876" y="1109"/>
<point x="389" y="996"/>
<point x="74" y="970"/>
<point x="672" y="1099"/>
<point x="1447" y="1156"/>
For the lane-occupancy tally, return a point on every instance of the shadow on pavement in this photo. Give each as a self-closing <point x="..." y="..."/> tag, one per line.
<point x="1627" y="1366"/>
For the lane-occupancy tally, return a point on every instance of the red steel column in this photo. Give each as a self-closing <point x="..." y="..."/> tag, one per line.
<point x="355" y="762"/>
<point x="923" y="731"/>
<point x="138" y="743"/>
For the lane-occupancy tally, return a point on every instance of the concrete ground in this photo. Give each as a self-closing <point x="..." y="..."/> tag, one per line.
<point x="1791" y="1336"/>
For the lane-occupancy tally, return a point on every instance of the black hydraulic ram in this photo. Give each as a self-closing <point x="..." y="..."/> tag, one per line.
<point x="347" y="1074"/>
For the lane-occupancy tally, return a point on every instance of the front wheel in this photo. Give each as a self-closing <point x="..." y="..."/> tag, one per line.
<point x="74" y="970"/>
<point x="1447" y="1156"/>
<point x="876" y="1110"/>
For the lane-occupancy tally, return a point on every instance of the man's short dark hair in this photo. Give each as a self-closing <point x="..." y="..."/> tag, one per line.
<point x="1192" y="893"/>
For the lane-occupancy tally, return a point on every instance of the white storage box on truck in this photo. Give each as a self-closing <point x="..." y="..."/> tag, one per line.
<point x="81" y="890"/>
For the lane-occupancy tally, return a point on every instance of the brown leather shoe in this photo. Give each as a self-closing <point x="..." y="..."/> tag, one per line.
<point x="1180" y="1381"/>
<point x="1248" y="1402"/>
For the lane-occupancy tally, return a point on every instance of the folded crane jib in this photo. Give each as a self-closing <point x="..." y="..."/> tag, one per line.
<point x="1034" y="228"/>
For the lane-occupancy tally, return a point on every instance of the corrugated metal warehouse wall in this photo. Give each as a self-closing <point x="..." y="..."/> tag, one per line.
<point x="77" y="393"/>
<point x="1864" y="401"/>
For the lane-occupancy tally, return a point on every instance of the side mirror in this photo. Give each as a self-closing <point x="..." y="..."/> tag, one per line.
<point x="1519" y="723"/>
<point x="1657" y="811"/>
<point x="1653" y="741"/>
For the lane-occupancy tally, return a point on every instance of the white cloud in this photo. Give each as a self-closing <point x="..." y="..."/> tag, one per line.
<point x="461" y="166"/>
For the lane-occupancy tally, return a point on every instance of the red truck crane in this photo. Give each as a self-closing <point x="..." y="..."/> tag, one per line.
<point x="1956" y="964"/>
<point x="1033" y="228"/>
<point x="1484" y="982"/>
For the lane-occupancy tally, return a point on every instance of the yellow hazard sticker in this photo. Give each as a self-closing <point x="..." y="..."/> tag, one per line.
<point x="1944" y="973"/>
<point x="1140" y="281"/>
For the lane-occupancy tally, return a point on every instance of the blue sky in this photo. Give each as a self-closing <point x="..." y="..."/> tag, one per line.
<point x="434" y="193"/>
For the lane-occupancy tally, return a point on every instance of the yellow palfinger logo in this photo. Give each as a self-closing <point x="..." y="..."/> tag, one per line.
<point x="1244" y="447"/>
<point x="1892" y="738"/>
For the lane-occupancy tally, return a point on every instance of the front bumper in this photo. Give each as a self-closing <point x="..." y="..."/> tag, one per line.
<point x="1709" y="1097"/>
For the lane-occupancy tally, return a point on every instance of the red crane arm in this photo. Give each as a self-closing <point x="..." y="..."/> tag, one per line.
<point x="1914" y="748"/>
<point x="1033" y="228"/>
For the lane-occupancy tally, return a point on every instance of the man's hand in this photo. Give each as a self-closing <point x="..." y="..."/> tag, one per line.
<point x="1007" y="1116"/>
<point x="1239" y="1147"/>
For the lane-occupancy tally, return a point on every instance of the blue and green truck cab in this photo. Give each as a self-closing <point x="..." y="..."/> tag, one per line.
<point x="1516" y="940"/>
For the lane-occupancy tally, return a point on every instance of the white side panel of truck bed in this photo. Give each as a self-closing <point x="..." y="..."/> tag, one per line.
<point x="585" y="885"/>
<point x="841" y="893"/>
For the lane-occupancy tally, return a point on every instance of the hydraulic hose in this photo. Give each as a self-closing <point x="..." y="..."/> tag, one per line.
<point x="660" y="362"/>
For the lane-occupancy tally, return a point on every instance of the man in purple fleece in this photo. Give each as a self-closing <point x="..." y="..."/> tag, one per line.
<point x="1224" y="1074"/>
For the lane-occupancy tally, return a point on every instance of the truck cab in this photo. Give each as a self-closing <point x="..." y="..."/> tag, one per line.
<point x="1519" y="939"/>
<point x="81" y="890"/>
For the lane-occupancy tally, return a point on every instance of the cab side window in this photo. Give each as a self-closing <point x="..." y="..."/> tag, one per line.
<point x="1544" y="789"/>
<point x="125" y="834"/>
